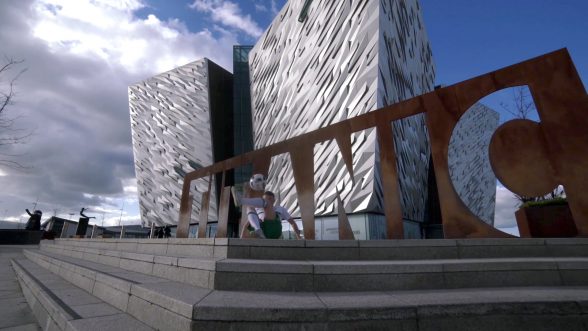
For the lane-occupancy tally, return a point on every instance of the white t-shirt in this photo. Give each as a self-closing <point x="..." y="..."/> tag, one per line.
<point x="280" y="211"/>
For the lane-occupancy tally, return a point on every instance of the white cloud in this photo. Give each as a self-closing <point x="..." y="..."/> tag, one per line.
<point x="103" y="210"/>
<point x="228" y="13"/>
<point x="260" y="8"/>
<point x="81" y="57"/>
<point x="275" y="9"/>
<point x="109" y="31"/>
<point x="511" y="230"/>
<point x="506" y="205"/>
<point x="124" y="220"/>
<point x="130" y="186"/>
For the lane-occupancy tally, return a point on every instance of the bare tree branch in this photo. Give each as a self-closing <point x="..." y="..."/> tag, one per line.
<point x="6" y="97"/>
<point x="10" y="136"/>
<point x="523" y="103"/>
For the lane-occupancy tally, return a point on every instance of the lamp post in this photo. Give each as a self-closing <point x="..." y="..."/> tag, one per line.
<point x="121" y="212"/>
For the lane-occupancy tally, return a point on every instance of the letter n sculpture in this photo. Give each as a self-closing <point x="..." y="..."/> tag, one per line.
<point x="530" y="158"/>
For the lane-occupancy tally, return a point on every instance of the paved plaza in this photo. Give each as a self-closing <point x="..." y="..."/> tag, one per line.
<point x="15" y="313"/>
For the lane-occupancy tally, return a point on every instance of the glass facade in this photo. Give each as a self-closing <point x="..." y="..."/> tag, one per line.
<point x="365" y="226"/>
<point x="220" y="83"/>
<point x="243" y="137"/>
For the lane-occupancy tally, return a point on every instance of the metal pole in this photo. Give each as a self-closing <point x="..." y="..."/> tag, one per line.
<point x="121" y="212"/>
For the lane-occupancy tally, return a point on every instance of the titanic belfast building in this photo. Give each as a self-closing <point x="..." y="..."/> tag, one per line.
<point x="318" y="63"/>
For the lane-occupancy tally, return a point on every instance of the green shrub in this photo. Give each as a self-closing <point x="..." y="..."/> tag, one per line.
<point x="548" y="202"/>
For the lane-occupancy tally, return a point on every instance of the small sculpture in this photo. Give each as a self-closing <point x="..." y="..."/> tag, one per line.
<point x="82" y="214"/>
<point x="83" y="224"/>
<point x="34" y="222"/>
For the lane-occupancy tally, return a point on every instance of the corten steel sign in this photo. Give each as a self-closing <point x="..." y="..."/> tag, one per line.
<point x="529" y="158"/>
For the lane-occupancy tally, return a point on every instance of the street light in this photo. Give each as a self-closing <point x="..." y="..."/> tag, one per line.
<point x="121" y="212"/>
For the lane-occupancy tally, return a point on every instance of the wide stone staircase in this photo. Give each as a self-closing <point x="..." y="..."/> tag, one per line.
<point x="239" y="284"/>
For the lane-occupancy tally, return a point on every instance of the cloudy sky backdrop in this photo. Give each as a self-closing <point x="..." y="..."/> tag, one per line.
<point x="81" y="55"/>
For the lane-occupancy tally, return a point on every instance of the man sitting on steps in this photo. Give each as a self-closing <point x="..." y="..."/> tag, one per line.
<point x="264" y="217"/>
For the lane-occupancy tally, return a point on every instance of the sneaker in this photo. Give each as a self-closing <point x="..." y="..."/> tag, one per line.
<point x="236" y="196"/>
<point x="259" y="234"/>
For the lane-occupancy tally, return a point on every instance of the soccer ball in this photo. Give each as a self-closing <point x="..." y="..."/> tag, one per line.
<point x="257" y="182"/>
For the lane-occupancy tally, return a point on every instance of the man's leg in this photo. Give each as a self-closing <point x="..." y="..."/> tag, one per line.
<point x="242" y="201"/>
<point x="254" y="221"/>
<point x="252" y="217"/>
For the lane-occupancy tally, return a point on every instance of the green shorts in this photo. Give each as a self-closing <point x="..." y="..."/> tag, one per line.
<point x="272" y="229"/>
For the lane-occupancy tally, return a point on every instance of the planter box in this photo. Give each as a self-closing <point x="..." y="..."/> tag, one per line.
<point x="546" y="222"/>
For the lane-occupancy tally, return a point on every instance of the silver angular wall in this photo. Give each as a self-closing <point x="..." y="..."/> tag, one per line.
<point x="171" y="130"/>
<point x="347" y="58"/>
<point x="344" y="59"/>
<point x="469" y="163"/>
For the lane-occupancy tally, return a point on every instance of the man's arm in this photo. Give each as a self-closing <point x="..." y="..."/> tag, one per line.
<point x="285" y="215"/>
<point x="28" y="212"/>
<point x="295" y="227"/>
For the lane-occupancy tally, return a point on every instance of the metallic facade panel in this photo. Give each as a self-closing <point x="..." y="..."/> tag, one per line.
<point x="346" y="59"/>
<point x="406" y="70"/>
<point x="469" y="162"/>
<point x="170" y="122"/>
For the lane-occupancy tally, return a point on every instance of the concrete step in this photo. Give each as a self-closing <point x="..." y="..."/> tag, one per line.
<point x="167" y="305"/>
<point x="332" y="276"/>
<point x="353" y="250"/>
<point x="157" y="302"/>
<point x="59" y="305"/>
<point x="337" y="249"/>
<point x="344" y="275"/>
<point x="203" y="247"/>
<point x="474" y="309"/>
<point x="198" y="271"/>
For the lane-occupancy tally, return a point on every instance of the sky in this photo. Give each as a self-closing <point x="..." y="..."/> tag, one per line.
<point x="81" y="55"/>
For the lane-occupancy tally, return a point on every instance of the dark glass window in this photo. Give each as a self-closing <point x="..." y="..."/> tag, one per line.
<point x="243" y="134"/>
<point x="304" y="11"/>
